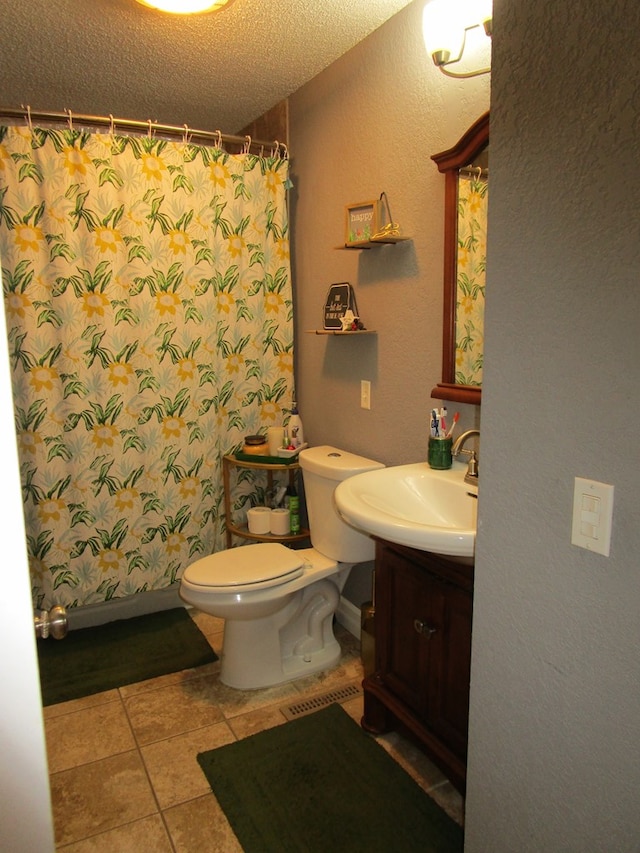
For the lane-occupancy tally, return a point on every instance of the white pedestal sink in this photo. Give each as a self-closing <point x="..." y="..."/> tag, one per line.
<point x="414" y="505"/>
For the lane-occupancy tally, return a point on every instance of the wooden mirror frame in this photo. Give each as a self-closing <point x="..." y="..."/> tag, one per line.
<point x="449" y="163"/>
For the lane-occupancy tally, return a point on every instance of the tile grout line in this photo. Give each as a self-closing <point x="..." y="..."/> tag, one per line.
<point x="146" y="771"/>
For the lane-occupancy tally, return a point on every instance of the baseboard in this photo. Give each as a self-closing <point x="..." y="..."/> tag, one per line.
<point x="123" y="608"/>
<point x="348" y="615"/>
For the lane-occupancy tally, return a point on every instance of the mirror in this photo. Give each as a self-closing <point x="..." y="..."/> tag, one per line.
<point x="466" y="170"/>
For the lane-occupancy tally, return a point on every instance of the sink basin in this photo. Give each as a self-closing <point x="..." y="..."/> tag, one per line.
<point x="414" y="505"/>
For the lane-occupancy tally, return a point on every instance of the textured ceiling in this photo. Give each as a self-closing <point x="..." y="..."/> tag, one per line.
<point x="220" y="70"/>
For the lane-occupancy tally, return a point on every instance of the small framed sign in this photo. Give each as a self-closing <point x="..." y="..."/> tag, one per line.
<point x="362" y="222"/>
<point x="340" y="299"/>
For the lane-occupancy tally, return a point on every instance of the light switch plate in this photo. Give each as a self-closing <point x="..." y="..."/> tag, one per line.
<point x="592" y="515"/>
<point x="365" y="394"/>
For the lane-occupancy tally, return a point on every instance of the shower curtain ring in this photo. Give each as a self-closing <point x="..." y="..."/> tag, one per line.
<point x="29" y="122"/>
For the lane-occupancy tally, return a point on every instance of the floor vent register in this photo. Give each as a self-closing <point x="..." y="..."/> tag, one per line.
<point x="314" y="703"/>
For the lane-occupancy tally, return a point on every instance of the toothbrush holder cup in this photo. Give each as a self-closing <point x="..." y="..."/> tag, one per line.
<point x="439" y="453"/>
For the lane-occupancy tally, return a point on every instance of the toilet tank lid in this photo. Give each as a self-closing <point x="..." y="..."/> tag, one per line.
<point x="333" y="463"/>
<point x="251" y="564"/>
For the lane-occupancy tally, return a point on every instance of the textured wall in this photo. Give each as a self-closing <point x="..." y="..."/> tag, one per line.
<point x="368" y="124"/>
<point x="554" y="730"/>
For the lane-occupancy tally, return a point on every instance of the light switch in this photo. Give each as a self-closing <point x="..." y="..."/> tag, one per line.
<point x="365" y="394"/>
<point x="590" y="503"/>
<point x="592" y="515"/>
<point x="589" y="531"/>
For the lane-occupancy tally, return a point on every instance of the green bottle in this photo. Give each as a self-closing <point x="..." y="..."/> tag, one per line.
<point x="294" y="511"/>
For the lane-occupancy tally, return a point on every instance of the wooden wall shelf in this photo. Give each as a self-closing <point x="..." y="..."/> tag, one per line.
<point x="352" y="334"/>
<point x="373" y="244"/>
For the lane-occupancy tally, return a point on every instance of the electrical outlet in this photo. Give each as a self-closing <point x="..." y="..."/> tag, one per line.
<point x="365" y="394"/>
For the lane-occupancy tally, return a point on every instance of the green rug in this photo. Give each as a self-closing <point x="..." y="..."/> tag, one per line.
<point x="319" y="784"/>
<point x="90" y="660"/>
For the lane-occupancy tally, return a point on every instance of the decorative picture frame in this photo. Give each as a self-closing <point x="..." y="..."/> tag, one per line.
<point x="340" y="299"/>
<point x="362" y="222"/>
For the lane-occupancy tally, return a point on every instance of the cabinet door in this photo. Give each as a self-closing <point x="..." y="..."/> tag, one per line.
<point x="423" y="632"/>
<point x="449" y="667"/>
<point x="403" y="598"/>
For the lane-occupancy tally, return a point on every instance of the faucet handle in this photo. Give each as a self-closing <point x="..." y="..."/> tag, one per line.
<point x="458" y="450"/>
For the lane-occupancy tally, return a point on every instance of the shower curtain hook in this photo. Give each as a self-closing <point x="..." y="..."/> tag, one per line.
<point x="69" y="119"/>
<point x="285" y="156"/>
<point x="276" y="148"/>
<point x="29" y="122"/>
<point x="112" y="126"/>
<point x="218" y="142"/>
<point x="247" y="145"/>
<point x="187" y="136"/>
<point x="149" y="133"/>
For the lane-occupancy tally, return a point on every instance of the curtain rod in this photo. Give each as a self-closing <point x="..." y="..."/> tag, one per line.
<point x="187" y="133"/>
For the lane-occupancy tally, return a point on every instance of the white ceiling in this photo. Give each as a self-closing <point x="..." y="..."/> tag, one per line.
<point x="211" y="71"/>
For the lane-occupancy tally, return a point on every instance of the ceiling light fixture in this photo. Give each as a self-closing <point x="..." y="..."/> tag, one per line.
<point x="186" y="7"/>
<point x="445" y="25"/>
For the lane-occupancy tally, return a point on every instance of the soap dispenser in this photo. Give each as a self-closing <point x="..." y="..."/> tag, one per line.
<point x="296" y="435"/>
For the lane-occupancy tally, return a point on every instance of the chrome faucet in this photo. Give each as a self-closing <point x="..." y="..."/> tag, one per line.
<point x="471" y="476"/>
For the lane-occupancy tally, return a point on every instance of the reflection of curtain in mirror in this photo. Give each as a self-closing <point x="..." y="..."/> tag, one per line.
<point x="473" y="198"/>
<point x="148" y="301"/>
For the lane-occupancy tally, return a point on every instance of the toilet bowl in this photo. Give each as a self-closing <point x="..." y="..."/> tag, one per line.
<point x="278" y="603"/>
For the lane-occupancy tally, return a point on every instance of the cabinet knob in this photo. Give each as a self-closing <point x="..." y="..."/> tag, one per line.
<point x="423" y="627"/>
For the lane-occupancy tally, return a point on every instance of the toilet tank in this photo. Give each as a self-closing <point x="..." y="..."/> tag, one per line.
<point x="322" y="469"/>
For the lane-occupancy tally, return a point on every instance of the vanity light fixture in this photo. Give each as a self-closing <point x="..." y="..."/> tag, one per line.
<point x="186" y="7"/>
<point x="445" y="24"/>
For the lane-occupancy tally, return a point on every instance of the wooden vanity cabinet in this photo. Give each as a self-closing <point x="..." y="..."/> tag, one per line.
<point x="423" y="614"/>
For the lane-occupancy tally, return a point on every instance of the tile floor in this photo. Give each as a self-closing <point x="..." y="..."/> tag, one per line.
<point x="123" y="769"/>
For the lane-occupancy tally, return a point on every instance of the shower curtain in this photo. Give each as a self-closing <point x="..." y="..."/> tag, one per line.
<point x="473" y="199"/>
<point x="149" y="319"/>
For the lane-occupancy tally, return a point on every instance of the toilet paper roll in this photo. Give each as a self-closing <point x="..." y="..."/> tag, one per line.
<point x="259" y="520"/>
<point x="275" y="437"/>
<point x="280" y="522"/>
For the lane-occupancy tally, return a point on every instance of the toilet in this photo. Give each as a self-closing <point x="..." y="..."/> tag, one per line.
<point x="279" y="603"/>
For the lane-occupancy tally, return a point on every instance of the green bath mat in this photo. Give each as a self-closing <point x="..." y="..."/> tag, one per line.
<point x="320" y="784"/>
<point x="90" y="660"/>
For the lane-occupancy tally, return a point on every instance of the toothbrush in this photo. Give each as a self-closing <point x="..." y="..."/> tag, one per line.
<point x="453" y="425"/>
<point x="434" y="423"/>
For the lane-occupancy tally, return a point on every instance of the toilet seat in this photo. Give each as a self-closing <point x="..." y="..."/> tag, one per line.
<point x="259" y="566"/>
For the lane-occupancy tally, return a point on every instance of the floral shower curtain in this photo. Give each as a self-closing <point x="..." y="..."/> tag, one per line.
<point x="473" y="199"/>
<point x="149" y="318"/>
